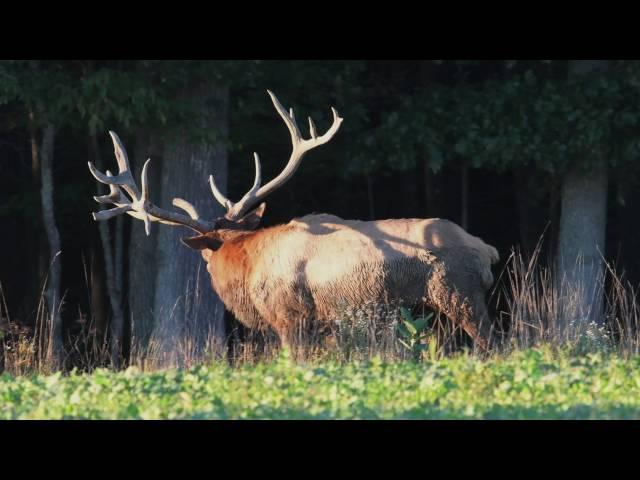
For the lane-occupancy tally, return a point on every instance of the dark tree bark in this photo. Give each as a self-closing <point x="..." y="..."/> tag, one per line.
<point x="142" y="248"/>
<point x="52" y="294"/>
<point x="35" y="241"/>
<point x="113" y="258"/>
<point x="98" y="300"/>
<point x="186" y="306"/>
<point x="35" y="267"/>
<point x="581" y="240"/>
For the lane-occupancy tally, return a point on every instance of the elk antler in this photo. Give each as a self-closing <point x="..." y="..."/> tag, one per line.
<point x="138" y="205"/>
<point x="300" y="147"/>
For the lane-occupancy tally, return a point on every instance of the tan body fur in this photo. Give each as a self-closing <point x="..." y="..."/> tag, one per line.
<point x="314" y="266"/>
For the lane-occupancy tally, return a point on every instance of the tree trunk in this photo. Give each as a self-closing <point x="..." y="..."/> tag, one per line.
<point x="581" y="239"/>
<point x="117" y="328"/>
<point x="581" y="243"/>
<point x="33" y="238"/>
<point x="98" y="303"/>
<point x="113" y="271"/>
<point x="35" y="241"/>
<point x="142" y="249"/>
<point x="52" y="295"/>
<point x="188" y="313"/>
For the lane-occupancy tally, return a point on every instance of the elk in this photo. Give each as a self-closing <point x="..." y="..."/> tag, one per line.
<point x="311" y="267"/>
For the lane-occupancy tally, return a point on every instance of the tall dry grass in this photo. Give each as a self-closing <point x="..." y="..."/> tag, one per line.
<point x="26" y="350"/>
<point x="533" y="307"/>
<point x="543" y="307"/>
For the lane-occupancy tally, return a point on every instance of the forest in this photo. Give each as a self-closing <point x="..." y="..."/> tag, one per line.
<point x="539" y="158"/>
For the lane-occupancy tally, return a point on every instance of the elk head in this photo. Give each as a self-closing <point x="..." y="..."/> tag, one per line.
<point x="128" y="198"/>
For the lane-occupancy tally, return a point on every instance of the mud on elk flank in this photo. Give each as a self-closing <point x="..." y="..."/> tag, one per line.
<point x="310" y="268"/>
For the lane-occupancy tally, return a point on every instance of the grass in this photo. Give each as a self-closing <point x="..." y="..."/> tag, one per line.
<point x="379" y="362"/>
<point x="534" y="384"/>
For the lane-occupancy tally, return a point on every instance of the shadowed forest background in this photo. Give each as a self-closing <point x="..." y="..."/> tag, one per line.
<point x="507" y="149"/>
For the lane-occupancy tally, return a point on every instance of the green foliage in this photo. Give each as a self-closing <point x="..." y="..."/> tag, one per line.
<point x="415" y="334"/>
<point x="531" y="115"/>
<point x="528" y="113"/>
<point x="44" y="89"/>
<point x="528" y="384"/>
<point x="88" y="97"/>
<point x="94" y="96"/>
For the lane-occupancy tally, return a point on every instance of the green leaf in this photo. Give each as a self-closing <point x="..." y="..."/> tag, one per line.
<point x="420" y="323"/>
<point x="402" y="331"/>
<point x="410" y="327"/>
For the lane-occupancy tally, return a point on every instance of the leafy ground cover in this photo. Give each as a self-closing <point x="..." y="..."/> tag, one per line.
<point x="529" y="384"/>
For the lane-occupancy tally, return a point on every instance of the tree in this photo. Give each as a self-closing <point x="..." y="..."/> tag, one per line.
<point x="112" y="93"/>
<point x="43" y="94"/>
<point x="581" y="241"/>
<point x="185" y="306"/>
<point x="142" y="248"/>
<point x="143" y="97"/>
<point x="53" y="291"/>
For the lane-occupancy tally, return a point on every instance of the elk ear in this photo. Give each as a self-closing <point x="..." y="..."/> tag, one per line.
<point x="252" y="220"/>
<point x="209" y="240"/>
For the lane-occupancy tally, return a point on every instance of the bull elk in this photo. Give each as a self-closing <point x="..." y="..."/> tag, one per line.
<point x="313" y="266"/>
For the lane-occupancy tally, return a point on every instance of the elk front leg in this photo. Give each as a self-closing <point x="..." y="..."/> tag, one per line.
<point x="475" y="320"/>
<point x="466" y="310"/>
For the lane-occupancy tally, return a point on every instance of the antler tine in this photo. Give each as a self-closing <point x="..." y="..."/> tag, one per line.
<point x="145" y="184"/>
<point x="139" y="205"/>
<point x="335" y="126"/>
<point x="113" y="212"/>
<point x="312" y="129"/>
<point x="124" y="178"/>
<point x="120" y="180"/>
<point x="257" y="182"/>
<point x="115" y="194"/>
<point x="289" y="119"/>
<point x="222" y="200"/>
<point x="300" y="147"/>
<point x="121" y="154"/>
<point x="115" y="197"/>
<point x="187" y="207"/>
<point x="144" y="198"/>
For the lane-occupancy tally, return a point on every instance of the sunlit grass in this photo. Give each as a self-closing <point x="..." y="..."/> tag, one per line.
<point x="533" y="383"/>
